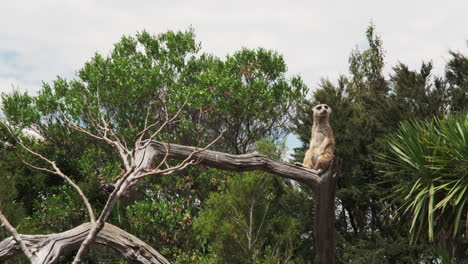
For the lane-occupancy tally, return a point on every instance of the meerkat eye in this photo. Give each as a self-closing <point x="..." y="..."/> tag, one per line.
<point x="319" y="107"/>
<point x="326" y="106"/>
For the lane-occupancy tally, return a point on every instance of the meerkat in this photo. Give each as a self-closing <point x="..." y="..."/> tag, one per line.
<point x="320" y="153"/>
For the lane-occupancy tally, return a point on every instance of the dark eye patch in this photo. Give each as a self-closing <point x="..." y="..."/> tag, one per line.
<point x="318" y="107"/>
<point x="326" y="106"/>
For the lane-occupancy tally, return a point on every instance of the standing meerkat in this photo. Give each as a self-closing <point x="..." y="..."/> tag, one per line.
<point x="320" y="153"/>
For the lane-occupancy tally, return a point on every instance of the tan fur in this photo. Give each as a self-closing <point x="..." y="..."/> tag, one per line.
<point x="320" y="153"/>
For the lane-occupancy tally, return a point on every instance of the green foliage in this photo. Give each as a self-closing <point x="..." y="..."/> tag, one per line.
<point x="19" y="108"/>
<point x="249" y="221"/>
<point x="377" y="249"/>
<point x="456" y="74"/>
<point x="366" y="66"/>
<point x="248" y="96"/>
<point x="164" y="222"/>
<point x="415" y="96"/>
<point x="245" y="224"/>
<point x="10" y="189"/>
<point x="145" y="71"/>
<point x="59" y="211"/>
<point x="431" y="158"/>
<point x="20" y="185"/>
<point x="170" y="199"/>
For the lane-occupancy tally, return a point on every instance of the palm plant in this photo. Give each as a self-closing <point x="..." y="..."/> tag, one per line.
<point x="430" y="161"/>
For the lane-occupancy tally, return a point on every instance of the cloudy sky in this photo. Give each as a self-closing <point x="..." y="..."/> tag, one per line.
<point x="40" y="39"/>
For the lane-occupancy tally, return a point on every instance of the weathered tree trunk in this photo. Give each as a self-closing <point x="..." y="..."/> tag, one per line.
<point x="325" y="232"/>
<point x="232" y="162"/>
<point x="47" y="248"/>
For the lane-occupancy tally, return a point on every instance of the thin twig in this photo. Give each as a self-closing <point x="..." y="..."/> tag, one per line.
<point x="168" y="121"/>
<point x="164" y="160"/>
<point x="116" y="144"/>
<point x="56" y="171"/>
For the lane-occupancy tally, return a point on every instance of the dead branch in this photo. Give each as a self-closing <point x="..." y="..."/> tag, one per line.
<point x="56" y="170"/>
<point x="17" y="238"/>
<point x="238" y="163"/>
<point x="185" y="162"/>
<point x="49" y="247"/>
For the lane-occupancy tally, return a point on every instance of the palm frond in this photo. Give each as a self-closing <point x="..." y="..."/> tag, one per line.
<point x="430" y="159"/>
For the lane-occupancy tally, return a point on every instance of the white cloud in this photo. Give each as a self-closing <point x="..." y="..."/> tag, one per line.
<point x="7" y="84"/>
<point x="56" y="37"/>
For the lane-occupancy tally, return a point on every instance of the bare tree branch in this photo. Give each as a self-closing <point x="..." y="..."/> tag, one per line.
<point x="152" y="136"/>
<point x="120" y="147"/>
<point x="239" y="163"/>
<point x="17" y="238"/>
<point x="58" y="172"/>
<point x="185" y="162"/>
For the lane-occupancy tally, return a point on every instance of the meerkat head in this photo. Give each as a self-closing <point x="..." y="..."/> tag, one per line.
<point x="321" y="111"/>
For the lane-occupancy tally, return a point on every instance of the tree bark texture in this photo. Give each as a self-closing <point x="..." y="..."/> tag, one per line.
<point x="47" y="248"/>
<point x="325" y="231"/>
<point x="238" y="163"/>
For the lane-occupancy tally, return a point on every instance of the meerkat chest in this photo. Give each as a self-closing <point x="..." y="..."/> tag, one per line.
<point x="318" y="137"/>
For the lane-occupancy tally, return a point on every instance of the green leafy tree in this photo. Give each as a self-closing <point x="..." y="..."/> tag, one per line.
<point x="456" y="74"/>
<point x="248" y="96"/>
<point x="423" y="98"/>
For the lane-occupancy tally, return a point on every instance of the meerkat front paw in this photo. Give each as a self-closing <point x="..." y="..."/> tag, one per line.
<point x="319" y="171"/>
